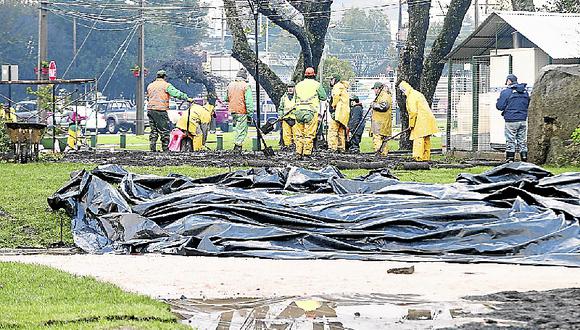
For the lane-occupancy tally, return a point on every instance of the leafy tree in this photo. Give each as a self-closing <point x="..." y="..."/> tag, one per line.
<point x="363" y="38"/>
<point x="167" y="33"/>
<point x="562" y="6"/>
<point x="332" y="66"/>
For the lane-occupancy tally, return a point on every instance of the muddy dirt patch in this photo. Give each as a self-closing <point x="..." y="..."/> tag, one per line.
<point x="246" y="159"/>
<point x="536" y="309"/>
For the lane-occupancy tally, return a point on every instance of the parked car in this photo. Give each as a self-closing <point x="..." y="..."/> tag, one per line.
<point x="119" y="115"/>
<point x="267" y="111"/>
<point x="27" y="112"/>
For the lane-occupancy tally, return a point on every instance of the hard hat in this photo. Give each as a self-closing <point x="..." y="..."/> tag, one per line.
<point x="310" y="72"/>
<point x="161" y="73"/>
<point x="378" y="85"/>
<point x="292" y="84"/>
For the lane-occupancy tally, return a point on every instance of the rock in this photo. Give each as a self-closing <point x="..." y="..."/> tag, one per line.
<point x="402" y="270"/>
<point x="554" y="114"/>
<point x="419" y="314"/>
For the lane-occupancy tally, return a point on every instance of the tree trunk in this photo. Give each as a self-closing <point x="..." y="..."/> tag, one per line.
<point x="523" y="5"/>
<point x="294" y="29"/>
<point x="442" y="46"/>
<point x="411" y="59"/>
<point x="242" y="52"/>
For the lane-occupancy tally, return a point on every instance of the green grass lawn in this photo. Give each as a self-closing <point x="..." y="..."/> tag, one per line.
<point x="35" y="297"/>
<point x="135" y="142"/>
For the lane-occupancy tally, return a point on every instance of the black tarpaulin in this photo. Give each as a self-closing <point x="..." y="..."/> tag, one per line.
<point x="515" y="213"/>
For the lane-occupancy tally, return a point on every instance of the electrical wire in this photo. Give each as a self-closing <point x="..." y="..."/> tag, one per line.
<point x="119" y="61"/>
<point x="78" y="51"/>
<point x="129" y="35"/>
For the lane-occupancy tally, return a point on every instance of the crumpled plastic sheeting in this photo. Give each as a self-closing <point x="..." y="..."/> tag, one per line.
<point x="515" y="213"/>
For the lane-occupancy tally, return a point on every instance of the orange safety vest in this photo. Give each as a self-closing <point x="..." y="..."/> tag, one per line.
<point x="237" y="97"/>
<point x="158" y="96"/>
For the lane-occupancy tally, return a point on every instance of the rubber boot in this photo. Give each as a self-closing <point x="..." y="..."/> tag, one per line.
<point x="524" y="156"/>
<point x="510" y="156"/>
<point x="153" y="147"/>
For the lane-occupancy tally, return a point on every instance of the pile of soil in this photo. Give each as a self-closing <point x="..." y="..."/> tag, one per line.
<point x="536" y="309"/>
<point x="246" y="159"/>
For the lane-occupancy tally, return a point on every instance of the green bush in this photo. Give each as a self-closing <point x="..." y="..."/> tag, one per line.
<point x="576" y="135"/>
<point x="4" y="139"/>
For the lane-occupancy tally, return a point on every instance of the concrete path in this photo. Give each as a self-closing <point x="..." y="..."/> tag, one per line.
<point x="170" y="277"/>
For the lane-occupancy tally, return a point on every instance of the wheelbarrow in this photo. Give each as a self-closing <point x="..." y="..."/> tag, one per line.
<point x="26" y="139"/>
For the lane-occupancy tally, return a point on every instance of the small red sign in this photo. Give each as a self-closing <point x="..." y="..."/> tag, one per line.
<point x="52" y="70"/>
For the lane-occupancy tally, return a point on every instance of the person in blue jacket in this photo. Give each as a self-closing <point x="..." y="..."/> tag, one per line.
<point x="513" y="103"/>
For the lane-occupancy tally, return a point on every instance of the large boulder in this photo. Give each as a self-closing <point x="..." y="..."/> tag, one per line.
<point x="554" y="114"/>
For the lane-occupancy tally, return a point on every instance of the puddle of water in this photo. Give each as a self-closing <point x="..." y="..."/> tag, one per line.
<point x="326" y="312"/>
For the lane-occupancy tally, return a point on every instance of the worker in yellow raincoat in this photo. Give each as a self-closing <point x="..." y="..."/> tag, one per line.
<point x="339" y="113"/>
<point x="199" y="120"/>
<point x="286" y="112"/>
<point x="382" y="117"/>
<point x="309" y="93"/>
<point x="7" y="114"/>
<point x="421" y="122"/>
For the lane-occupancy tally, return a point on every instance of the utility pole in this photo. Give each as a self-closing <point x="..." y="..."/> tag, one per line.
<point x="42" y="52"/>
<point x="476" y="14"/>
<point x="74" y="31"/>
<point x="140" y="93"/>
<point x="42" y="37"/>
<point x="254" y="7"/>
<point x="399" y="28"/>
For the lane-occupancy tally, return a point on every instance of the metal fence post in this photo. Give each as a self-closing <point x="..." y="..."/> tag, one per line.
<point x="475" y="98"/>
<point x="449" y="83"/>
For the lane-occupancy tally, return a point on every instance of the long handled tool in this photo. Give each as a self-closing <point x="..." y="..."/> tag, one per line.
<point x="270" y="125"/>
<point x="364" y="118"/>
<point x="268" y="151"/>
<point x="389" y="138"/>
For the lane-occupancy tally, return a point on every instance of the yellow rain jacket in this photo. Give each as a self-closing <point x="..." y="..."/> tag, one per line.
<point x="384" y="119"/>
<point x="421" y="119"/>
<point x="197" y="115"/>
<point x="341" y="102"/>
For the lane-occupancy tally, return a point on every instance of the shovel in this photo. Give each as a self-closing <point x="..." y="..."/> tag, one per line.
<point x="389" y="138"/>
<point x="268" y="151"/>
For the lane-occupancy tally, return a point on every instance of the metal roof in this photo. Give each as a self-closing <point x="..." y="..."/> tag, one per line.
<point x="556" y="34"/>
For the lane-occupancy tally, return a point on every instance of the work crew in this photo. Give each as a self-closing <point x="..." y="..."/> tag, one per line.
<point x="199" y="121"/>
<point x="286" y="112"/>
<point x="356" y="124"/>
<point x="513" y="103"/>
<point x="339" y="114"/>
<point x="421" y="122"/>
<point x="241" y="105"/>
<point x="158" y="94"/>
<point x="382" y="116"/>
<point x="309" y="93"/>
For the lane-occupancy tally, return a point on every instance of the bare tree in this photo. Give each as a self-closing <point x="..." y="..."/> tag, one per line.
<point x="424" y="75"/>
<point x="310" y="35"/>
<point x="433" y="66"/>
<point x="411" y="59"/>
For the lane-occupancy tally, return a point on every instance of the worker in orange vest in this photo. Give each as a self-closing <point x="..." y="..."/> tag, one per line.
<point x="158" y="94"/>
<point x="241" y="106"/>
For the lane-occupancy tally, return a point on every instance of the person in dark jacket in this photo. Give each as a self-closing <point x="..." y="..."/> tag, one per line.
<point x="513" y="103"/>
<point x="356" y="122"/>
